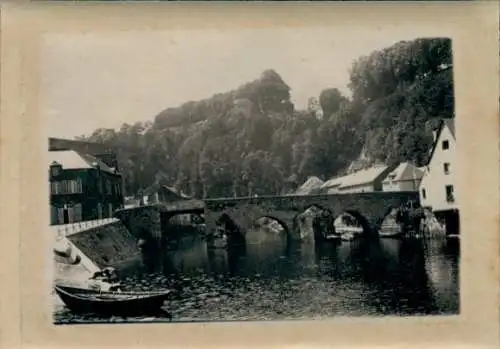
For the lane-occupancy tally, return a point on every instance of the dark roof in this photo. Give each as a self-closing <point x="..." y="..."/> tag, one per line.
<point x="101" y="151"/>
<point x="56" y="144"/>
<point x="450" y="123"/>
<point x="71" y="159"/>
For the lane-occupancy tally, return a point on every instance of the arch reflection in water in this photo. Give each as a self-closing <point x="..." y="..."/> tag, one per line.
<point x="273" y="277"/>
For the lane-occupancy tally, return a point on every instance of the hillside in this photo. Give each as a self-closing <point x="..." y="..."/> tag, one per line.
<point x="252" y="140"/>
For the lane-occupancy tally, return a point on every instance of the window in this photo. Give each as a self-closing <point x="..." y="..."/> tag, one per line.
<point x="60" y="215"/>
<point x="73" y="186"/>
<point x="450" y="197"/>
<point x="99" y="211"/>
<point x="446" y="145"/>
<point x="424" y="194"/>
<point x="108" y="187"/>
<point x="55" y="187"/>
<point x="391" y="177"/>
<point x="446" y="167"/>
<point x="55" y="169"/>
<point x="77" y="213"/>
<point x="53" y="215"/>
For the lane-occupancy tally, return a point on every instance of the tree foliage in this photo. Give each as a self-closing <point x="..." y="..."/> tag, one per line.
<point x="251" y="140"/>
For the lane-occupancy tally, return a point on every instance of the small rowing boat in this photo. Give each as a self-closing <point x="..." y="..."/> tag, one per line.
<point x="83" y="300"/>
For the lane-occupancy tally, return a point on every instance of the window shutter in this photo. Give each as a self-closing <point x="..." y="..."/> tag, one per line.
<point x="71" y="213"/>
<point x="53" y="214"/>
<point x="60" y="215"/>
<point x="77" y="212"/>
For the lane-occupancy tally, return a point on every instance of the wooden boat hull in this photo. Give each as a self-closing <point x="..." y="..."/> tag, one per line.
<point x="111" y="303"/>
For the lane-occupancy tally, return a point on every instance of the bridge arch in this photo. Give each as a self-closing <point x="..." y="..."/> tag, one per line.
<point x="366" y="207"/>
<point x="285" y="227"/>
<point x="357" y="220"/>
<point x="392" y="221"/>
<point x="182" y="218"/>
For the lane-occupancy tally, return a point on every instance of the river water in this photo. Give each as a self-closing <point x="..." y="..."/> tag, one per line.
<point x="271" y="278"/>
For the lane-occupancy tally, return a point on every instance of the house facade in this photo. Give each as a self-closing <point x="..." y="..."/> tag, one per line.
<point x="82" y="188"/>
<point x="438" y="186"/>
<point x="367" y="180"/>
<point x="405" y="177"/>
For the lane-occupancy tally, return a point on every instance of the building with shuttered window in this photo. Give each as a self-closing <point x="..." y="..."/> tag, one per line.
<point x="438" y="185"/>
<point x="82" y="187"/>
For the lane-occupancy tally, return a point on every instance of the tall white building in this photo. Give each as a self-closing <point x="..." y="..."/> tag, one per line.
<point x="438" y="185"/>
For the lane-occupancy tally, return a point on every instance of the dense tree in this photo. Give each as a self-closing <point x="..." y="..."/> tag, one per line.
<point x="251" y="141"/>
<point x="330" y="101"/>
<point x="397" y="91"/>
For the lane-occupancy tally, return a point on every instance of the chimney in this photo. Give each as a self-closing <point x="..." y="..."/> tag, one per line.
<point x="434" y="136"/>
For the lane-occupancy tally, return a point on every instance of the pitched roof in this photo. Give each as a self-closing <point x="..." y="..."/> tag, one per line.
<point x="72" y="160"/>
<point x="450" y="124"/>
<point x="363" y="176"/>
<point x="405" y="171"/>
<point x="333" y="182"/>
<point x="98" y="150"/>
<point x="180" y="193"/>
<point x="312" y="182"/>
<point x="155" y="187"/>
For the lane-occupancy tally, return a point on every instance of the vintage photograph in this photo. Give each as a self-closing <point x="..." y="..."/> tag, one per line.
<point x="253" y="174"/>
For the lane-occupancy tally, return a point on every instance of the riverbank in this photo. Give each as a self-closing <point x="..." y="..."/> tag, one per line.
<point x="271" y="279"/>
<point x="109" y="244"/>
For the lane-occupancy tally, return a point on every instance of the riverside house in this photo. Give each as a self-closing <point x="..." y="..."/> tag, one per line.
<point x="367" y="180"/>
<point x="405" y="177"/>
<point x="438" y="185"/>
<point x="82" y="187"/>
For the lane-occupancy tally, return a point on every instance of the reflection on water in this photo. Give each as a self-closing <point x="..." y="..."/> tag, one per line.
<point x="272" y="278"/>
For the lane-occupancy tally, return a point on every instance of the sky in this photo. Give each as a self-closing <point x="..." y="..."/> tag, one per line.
<point x="99" y="80"/>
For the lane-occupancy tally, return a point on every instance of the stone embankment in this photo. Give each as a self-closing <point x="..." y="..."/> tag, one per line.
<point x="103" y="243"/>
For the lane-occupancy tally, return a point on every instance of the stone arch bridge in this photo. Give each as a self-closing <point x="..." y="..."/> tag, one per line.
<point x="369" y="208"/>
